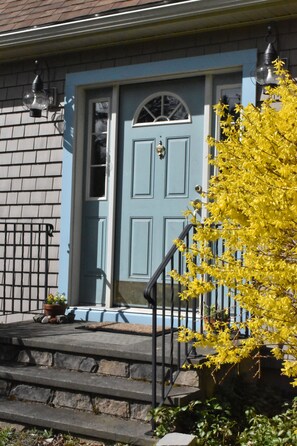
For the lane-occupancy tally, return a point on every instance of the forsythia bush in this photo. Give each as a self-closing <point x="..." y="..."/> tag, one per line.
<point x="253" y="197"/>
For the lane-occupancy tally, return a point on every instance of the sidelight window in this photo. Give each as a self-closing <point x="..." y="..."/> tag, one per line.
<point x="98" y="144"/>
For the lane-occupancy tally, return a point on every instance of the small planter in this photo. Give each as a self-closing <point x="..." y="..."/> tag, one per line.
<point x="54" y="310"/>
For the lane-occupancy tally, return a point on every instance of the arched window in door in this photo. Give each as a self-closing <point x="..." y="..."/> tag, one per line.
<point x="161" y="108"/>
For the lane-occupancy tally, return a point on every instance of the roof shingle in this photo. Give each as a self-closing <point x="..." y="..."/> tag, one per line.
<point x="21" y="14"/>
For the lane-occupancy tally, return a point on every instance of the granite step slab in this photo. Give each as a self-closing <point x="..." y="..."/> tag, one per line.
<point x="78" y="381"/>
<point x="91" y="383"/>
<point x="100" y="427"/>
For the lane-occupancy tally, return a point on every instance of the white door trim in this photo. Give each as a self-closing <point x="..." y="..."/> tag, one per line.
<point x="112" y="195"/>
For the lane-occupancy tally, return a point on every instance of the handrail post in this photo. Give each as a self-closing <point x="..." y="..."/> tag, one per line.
<point x="48" y="233"/>
<point x="154" y="353"/>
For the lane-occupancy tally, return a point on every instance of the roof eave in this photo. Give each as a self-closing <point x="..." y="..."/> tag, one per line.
<point x="136" y="23"/>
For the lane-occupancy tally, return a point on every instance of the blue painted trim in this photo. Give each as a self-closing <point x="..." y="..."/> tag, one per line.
<point x="66" y="189"/>
<point x="163" y="68"/>
<point x="246" y="60"/>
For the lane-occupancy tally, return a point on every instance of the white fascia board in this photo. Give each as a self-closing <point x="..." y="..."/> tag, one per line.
<point x="125" y="19"/>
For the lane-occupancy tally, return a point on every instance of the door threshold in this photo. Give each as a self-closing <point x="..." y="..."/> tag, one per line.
<point x="116" y="314"/>
<point x="131" y="315"/>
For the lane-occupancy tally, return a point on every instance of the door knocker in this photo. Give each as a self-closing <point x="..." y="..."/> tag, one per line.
<point x="160" y="149"/>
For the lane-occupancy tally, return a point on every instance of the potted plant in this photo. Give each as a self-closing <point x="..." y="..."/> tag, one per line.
<point x="55" y="305"/>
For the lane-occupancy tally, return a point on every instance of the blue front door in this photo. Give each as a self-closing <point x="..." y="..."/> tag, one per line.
<point x="154" y="189"/>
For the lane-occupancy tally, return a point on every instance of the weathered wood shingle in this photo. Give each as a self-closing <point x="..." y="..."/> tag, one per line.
<point x="20" y="14"/>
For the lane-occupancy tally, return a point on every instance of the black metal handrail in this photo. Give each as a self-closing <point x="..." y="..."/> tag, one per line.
<point x="169" y="312"/>
<point x="24" y="272"/>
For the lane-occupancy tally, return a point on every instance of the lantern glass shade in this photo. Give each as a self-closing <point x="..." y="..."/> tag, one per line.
<point x="261" y="74"/>
<point x="265" y="75"/>
<point x="36" y="101"/>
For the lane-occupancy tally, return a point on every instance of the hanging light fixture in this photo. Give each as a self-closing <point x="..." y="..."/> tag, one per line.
<point x="265" y="71"/>
<point x="38" y="99"/>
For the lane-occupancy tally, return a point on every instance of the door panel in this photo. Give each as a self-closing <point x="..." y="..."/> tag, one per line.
<point x="142" y="180"/>
<point x="140" y="247"/>
<point x="152" y="192"/>
<point x="93" y="267"/>
<point x="177" y="160"/>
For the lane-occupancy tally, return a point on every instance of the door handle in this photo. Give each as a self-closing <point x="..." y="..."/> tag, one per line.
<point x="198" y="189"/>
<point x="160" y="149"/>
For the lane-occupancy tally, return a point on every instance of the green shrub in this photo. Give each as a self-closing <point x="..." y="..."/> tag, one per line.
<point x="264" y="431"/>
<point x="210" y="421"/>
<point x="234" y="421"/>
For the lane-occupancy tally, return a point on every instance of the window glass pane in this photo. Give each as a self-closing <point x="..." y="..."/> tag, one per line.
<point x="170" y="104"/>
<point x="145" y="116"/>
<point x="230" y="97"/>
<point x="154" y="106"/>
<point x="179" y="114"/>
<point x="100" y="117"/>
<point x="98" y="140"/>
<point x="98" y="153"/>
<point x="97" y="181"/>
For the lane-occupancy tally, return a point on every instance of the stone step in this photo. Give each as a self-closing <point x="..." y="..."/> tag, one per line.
<point x="100" y="427"/>
<point x="83" y="382"/>
<point x="90" y="392"/>
<point x="78" y="381"/>
<point x="51" y="372"/>
<point x="76" y="362"/>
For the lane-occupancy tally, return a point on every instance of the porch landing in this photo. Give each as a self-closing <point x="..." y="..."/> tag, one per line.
<point x="71" y="338"/>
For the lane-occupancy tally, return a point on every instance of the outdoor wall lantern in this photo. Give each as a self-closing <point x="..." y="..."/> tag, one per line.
<point x="265" y="74"/>
<point x="39" y="98"/>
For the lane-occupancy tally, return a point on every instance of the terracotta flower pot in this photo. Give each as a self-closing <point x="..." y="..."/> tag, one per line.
<point x="54" y="310"/>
